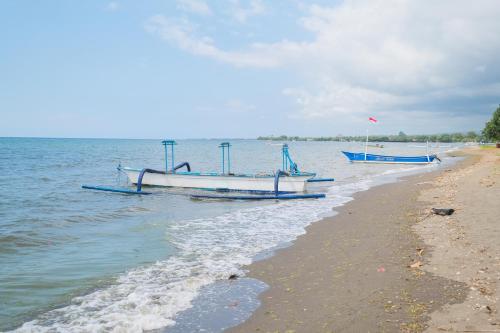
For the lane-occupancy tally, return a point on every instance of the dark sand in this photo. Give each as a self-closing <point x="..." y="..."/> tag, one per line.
<point x="350" y="272"/>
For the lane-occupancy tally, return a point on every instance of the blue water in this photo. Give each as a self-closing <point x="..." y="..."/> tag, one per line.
<point x="71" y="258"/>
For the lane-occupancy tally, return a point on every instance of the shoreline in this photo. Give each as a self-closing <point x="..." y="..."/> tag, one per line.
<point x="350" y="272"/>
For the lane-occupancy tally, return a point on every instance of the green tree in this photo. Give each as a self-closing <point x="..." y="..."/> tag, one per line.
<point x="444" y="137"/>
<point x="457" y="137"/>
<point x="492" y="129"/>
<point x="402" y="137"/>
<point x="472" y="136"/>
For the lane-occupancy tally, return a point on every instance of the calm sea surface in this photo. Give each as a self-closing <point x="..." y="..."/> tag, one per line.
<point x="78" y="260"/>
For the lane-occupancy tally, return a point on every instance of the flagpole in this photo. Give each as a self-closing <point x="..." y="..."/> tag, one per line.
<point x="427" y="151"/>
<point x="366" y="144"/>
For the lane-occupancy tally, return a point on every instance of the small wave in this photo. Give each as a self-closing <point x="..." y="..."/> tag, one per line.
<point x="209" y="249"/>
<point x="408" y="169"/>
<point x="13" y="243"/>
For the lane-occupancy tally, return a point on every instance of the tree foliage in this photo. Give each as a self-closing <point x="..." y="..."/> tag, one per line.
<point x="492" y="129"/>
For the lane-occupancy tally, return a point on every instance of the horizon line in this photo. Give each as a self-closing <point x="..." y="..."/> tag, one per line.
<point x="223" y="138"/>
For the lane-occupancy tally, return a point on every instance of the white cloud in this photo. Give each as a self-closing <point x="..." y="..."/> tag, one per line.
<point x="183" y="34"/>
<point x="372" y="55"/>
<point x="334" y="99"/>
<point x="194" y="6"/>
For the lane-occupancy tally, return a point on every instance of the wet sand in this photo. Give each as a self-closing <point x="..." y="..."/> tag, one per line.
<point x="353" y="272"/>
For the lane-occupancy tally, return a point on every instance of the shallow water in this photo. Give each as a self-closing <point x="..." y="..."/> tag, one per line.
<point x="85" y="260"/>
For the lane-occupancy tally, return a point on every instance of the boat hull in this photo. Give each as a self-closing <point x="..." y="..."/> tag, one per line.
<point x="373" y="158"/>
<point x="295" y="183"/>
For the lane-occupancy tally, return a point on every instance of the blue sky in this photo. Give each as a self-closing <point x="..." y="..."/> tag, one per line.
<point x="198" y="69"/>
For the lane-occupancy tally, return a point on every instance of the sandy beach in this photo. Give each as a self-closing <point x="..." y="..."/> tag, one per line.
<point x="384" y="263"/>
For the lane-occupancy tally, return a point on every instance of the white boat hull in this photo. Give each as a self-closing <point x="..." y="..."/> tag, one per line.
<point x="295" y="183"/>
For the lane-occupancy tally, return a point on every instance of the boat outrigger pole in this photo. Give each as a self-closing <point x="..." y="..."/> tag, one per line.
<point x="288" y="164"/>
<point x="138" y="190"/>
<point x="274" y="196"/>
<point x="171" y="144"/>
<point x="223" y="146"/>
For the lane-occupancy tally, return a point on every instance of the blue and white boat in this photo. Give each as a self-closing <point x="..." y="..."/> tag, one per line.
<point x="373" y="158"/>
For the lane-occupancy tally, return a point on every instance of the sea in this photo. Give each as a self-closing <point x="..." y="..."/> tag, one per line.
<point x="76" y="260"/>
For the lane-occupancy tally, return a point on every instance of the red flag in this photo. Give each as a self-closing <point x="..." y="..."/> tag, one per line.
<point x="373" y="120"/>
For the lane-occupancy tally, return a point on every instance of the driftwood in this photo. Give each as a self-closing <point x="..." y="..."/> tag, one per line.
<point x="443" y="211"/>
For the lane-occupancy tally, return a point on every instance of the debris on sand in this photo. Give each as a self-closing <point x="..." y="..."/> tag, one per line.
<point x="416" y="264"/>
<point x="443" y="211"/>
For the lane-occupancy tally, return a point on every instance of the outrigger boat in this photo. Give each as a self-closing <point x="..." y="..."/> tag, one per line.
<point x="291" y="179"/>
<point x="374" y="158"/>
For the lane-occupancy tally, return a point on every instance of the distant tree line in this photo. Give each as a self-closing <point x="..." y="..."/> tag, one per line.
<point x="491" y="130"/>
<point x="470" y="136"/>
<point x="490" y="133"/>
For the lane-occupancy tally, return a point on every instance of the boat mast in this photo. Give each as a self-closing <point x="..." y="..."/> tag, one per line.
<point x="223" y="147"/>
<point x="288" y="164"/>
<point x="427" y="151"/>
<point x="169" y="143"/>
<point x="366" y="144"/>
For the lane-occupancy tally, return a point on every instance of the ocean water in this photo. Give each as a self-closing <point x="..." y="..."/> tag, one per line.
<point x="73" y="260"/>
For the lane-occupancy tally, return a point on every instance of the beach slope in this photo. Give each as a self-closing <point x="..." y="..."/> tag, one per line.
<point x="378" y="266"/>
<point x="466" y="246"/>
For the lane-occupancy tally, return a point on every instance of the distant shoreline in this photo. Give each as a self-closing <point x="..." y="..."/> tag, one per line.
<point x="447" y="138"/>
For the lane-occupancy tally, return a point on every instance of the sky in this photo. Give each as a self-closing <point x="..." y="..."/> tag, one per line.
<point x="244" y="68"/>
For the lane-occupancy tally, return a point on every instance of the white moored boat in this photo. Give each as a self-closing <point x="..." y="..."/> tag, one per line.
<point x="292" y="180"/>
<point x="239" y="182"/>
<point x="280" y="185"/>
